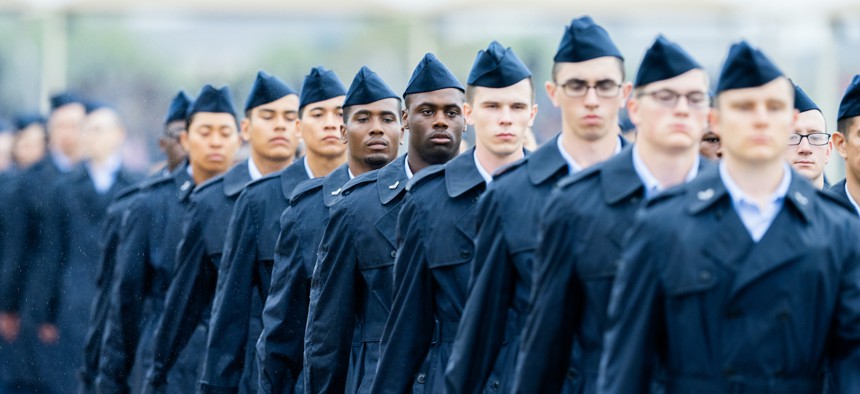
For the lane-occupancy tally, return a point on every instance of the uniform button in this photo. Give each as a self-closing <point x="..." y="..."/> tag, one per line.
<point x="465" y="253"/>
<point x="734" y="314"/>
<point x="704" y="276"/>
<point x="421" y="378"/>
<point x="495" y="386"/>
<point x="729" y="372"/>
<point x="571" y="374"/>
<point x="393" y="253"/>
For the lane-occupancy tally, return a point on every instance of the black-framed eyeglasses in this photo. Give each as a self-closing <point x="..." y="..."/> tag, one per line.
<point x="669" y="98"/>
<point x="603" y="89"/>
<point x="815" y="139"/>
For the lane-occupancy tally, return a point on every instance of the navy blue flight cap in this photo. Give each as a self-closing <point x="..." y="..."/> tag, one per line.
<point x="65" y="98"/>
<point x="212" y="100"/>
<point x="585" y="40"/>
<point x="24" y="120"/>
<point x="497" y="67"/>
<point x="802" y="102"/>
<point x="746" y="67"/>
<point x="266" y="89"/>
<point x="849" y="107"/>
<point x="178" y="108"/>
<point x="320" y="85"/>
<point x="664" y="60"/>
<point x="94" y="105"/>
<point x="367" y="87"/>
<point x="430" y="75"/>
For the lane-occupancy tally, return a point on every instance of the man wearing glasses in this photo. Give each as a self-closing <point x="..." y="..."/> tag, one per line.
<point x="809" y="147"/>
<point x="588" y="86"/>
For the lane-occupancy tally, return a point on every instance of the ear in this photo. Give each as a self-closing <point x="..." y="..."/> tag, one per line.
<point x="839" y="143"/>
<point x="533" y="115"/>
<point x="827" y="149"/>
<point x="245" y="129"/>
<point x="626" y="88"/>
<point x="633" y="111"/>
<point x="343" y="133"/>
<point x="404" y="120"/>
<point x="467" y="113"/>
<point x="551" y="89"/>
<point x="298" y="130"/>
<point x="183" y="140"/>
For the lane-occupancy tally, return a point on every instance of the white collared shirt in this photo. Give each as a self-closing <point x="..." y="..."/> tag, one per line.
<point x="652" y="185"/>
<point x="63" y="162"/>
<point x="308" y="168"/>
<point x="409" y="173"/>
<point x="854" y="203"/>
<point x="481" y="170"/>
<point x="756" y="219"/>
<point x="572" y="166"/>
<point x="253" y="170"/>
<point x="103" y="178"/>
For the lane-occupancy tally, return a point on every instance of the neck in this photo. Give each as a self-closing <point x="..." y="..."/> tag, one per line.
<point x="267" y="166"/>
<point x="200" y="175"/>
<point x="819" y="182"/>
<point x="669" y="167"/>
<point x="492" y="162"/>
<point x="588" y="153"/>
<point x="853" y="182"/>
<point x="100" y="163"/>
<point x="757" y="180"/>
<point x="324" y="165"/>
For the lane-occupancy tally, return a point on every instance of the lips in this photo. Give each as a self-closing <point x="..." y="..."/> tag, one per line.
<point x="440" y="138"/>
<point x="377" y="144"/>
<point x="215" y="157"/>
<point x="279" y="141"/>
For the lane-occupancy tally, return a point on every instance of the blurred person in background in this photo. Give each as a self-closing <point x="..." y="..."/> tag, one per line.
<point x="809" y="147"/>
<point x="846" y="140"/>
<point x="7" y="139"/>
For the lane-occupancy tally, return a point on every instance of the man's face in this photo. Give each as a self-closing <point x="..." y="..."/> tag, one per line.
<point x="211" y="141"/>
<point x="501" y="116"/>
<point x="755" y="123"/>
<point x="169" y="143"/>
<point x="671" y="115"/>
<point x="436" y="124"/>
<point x="64" y="128"/>
<point x="847" y="143"/>
<point x="272" y="129"/>
<point x="710" y="146"/>
<point x="30" y="145"/>
<point x="807" y="159"/>
<point x="103" y="134"/>
<point x="321" y="127"/>
<point x="373" y="132"/>
<point x="593" y="115"/>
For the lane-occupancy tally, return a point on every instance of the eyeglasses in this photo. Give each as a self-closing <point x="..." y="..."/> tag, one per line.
<point x="669" y="98"/>
<point x="816" y="139"/>
<point x="604" y="89"/>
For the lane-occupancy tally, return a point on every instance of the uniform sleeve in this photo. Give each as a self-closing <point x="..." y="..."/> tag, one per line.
<point x="408" y="332"/>
<point x="14" y="251"/>
<point x="231" y="312"/>
<point x="281" y="346"/>
<point x="845" y="359"/>
<point x="555" y="306"/>
<point x="331" y="317"/>
<point x="125" y="313"/>
<point x="482" y="329"/>
<point x="188" y="297"/>
<point x="633" y="316"/>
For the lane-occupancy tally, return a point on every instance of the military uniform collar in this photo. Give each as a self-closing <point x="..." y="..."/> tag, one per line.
<point x="293" y="171"/>
<point x="236" y="179"/>
<point x="461" y="174"/>
<point x="618" y="177"/>
<point x="545" y="162"/>
<point x="182" y="179"/>
<point x="333" y="183"/>
<point x="391" y="179"/>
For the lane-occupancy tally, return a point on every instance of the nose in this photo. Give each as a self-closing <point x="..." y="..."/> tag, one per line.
<point x="591" y="99"/>
<point x="506" y="119"/>
<point x="682" y="107"/>
<point x="330" y="121"/>
<point x="376" y="126"/>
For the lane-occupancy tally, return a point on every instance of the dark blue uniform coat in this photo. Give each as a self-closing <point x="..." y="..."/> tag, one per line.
<point x="501" y="279"/>
<point x="280" y="351"/>
<point x="582" y="228"/>
<point x="352" y="281"/>
<point x="247" y="262"/>
<point x="726" y="314"/>
<point x="431" y="275"/>
<point x="192" y="288"/>
<point x="144" y="266"/>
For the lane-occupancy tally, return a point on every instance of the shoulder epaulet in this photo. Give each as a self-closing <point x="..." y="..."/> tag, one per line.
<point x="147" y="185"/>
<point x="831" y="196"/>
<point x="579" y="176"/>
<point x="208" y="184"/>
<point x="428" y="173"/>
<point x="509" y="168"/>
<point x="264" y="179"/>
<point x="306" y="188"/>
<point x="362" y="179"/>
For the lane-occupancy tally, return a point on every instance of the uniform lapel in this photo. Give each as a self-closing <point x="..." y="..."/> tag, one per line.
<point x="390" y="182"/>
<point x="545" y="162"/>
<point x="236" y="178"/>
<point x="462" y="176"/>
<point x="333" y="183"/>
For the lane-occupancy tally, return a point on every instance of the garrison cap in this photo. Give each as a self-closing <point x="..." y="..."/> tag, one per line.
<point x="367" y="87"/>
<point x="212" y="100"/>
<point x="746" y="67"/>
<point x="664" y="60"/>
<point x="178" y="108"/>
<point x="849" y="107"/>
<point x="430" y="75"/>
<point x="320" y="85"/>
<point x="497" y="67"/>
<point x="266" y="89"/>
<point x="802" y="102"/>
<point x="585" y="40"/>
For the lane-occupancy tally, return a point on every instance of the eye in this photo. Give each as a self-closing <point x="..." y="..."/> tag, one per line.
<point x="697" y="98"/>
<point x="665" y="96"/>
<point x="426" y="112"/>
<point x="712" y="140"/>
<point x="453" y="114"/>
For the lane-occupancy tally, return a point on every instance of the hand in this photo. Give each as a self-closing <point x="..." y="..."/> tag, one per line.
<point x="48" y="334"/>
<point x="10" y="325"/>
